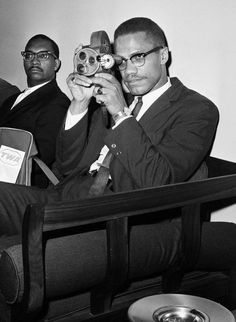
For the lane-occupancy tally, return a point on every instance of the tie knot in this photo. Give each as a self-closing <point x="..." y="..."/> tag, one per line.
<point x="140" y="99"/>
<point x="138" y="106"/>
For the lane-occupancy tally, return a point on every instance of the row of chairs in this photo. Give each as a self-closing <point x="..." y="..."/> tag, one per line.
<point x="72" y="263"/>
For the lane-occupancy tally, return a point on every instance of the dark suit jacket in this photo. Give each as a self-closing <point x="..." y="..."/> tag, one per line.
<point x="42" y="114"/>
<point x="6" y="90"/>
<point x="168" y="144"/>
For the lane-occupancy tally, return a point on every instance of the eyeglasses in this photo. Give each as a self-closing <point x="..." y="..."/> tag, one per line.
<point x="41" y="55"/>
<point x="137" y="59"/>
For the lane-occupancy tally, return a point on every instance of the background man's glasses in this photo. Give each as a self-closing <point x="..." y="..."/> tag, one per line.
<point x="41" y="55"/>
<point x="137" y="59"/>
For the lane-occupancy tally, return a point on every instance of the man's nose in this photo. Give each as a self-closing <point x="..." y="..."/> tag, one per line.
<point x="130" y="67"/>
<point x="35" y="60"/>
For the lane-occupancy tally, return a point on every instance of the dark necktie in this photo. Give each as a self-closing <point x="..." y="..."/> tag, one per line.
<point x="101" y="180"/>
<point x="137" y="106"/>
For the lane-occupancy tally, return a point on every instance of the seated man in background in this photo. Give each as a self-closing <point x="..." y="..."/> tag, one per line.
<point x="167" y="142"/>
<point x="39" y="109"/>
<point x="6" y="90"/>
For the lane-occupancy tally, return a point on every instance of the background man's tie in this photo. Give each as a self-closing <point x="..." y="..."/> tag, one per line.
<point x="102" y="177"/>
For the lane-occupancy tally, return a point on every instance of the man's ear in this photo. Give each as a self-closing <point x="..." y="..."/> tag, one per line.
<point x="164" y="55"/>
<point x="57" y="65"/>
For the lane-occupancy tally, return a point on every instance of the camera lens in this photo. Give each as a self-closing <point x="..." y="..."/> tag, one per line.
<point x="82" y="55"/>
<point x="81" y="69"/>
<point x="91" y="60"/>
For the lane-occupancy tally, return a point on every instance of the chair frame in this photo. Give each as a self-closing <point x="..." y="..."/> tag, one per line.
<point x="114" y="210"/>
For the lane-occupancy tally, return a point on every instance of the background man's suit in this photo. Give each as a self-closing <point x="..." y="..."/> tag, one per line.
<point x="6" y="90"/>
<point x="41" y="113"/>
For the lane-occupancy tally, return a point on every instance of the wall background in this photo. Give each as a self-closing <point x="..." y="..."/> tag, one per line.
<point x="200" y="35"/>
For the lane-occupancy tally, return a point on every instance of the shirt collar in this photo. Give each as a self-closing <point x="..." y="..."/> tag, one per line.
<point x="149" y="98"/>
<point x="34" y="88"/>
<point x="155" y="94"/>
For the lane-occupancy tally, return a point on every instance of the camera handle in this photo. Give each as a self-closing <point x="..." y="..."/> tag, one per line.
<point x="99" y="40"/>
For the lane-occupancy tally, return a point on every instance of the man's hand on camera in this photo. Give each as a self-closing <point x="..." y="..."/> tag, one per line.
<point x="108" y="92"/>
<point x="81" y="88"/>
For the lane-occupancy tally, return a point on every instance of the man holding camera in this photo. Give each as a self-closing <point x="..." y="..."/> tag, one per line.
<point x="167" y="142"/>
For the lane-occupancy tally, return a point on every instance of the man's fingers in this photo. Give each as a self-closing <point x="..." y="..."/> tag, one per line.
<point x="103" y="80"/>
<point x="76" y="79"/>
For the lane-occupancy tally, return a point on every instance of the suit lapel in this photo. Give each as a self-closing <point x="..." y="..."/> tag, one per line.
<point x="161" y="104"/>
<point x="28" y="102"/>
<point x="36" y="96"/>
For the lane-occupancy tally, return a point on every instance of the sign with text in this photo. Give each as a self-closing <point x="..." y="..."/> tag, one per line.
<point x="10" y="163"/>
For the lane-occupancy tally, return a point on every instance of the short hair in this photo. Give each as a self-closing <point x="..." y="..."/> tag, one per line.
<point x="55" y="47"/>
<point x="138" y="24"/>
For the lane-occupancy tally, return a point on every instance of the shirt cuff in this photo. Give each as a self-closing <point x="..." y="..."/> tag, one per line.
<point x="120" y="121"/>
<point x="72" y="119"/>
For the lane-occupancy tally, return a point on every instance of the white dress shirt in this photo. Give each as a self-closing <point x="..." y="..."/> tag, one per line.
<point x="26" y="92"/>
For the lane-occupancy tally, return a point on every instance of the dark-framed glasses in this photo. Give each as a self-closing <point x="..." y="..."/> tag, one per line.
<point x="137" y="59"/>
<point x="41" y="55"/>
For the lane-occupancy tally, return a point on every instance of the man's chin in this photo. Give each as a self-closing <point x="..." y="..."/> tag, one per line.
<point x="136" y="91"/>
<point x="33" y="81"/>
<point x="35" y="75"/>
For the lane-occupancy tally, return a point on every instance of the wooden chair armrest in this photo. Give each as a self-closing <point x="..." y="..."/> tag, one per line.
<point x="113" y="209"/>
<point x="219" y="167"/>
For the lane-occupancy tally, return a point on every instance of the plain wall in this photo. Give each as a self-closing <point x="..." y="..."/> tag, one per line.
<point x="200" y="35"/>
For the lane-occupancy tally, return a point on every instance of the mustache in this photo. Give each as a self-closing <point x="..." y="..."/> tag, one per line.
<point x="35" y="67"/>
<point x="132" y="78"/>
